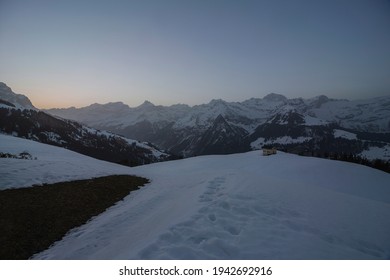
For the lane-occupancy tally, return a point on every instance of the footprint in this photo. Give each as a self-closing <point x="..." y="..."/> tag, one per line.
<point x="233" y="230"/>
<point x="225" y="205"/>
<point x="212" y="217"/>
<point x="197" y="239"/>
<point x="204" y="198"/>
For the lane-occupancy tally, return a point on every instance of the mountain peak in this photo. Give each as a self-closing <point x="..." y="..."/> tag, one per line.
<point x="275" y="97"/>
<point x="217" y="101"/>
<point x="4" y="87"/>
<point x="146" y="104"/>
<point x="219" y="119"/>
<point x="319" y="100"/>
<point x="291" y="118"/>
<point x="117" y="104"/>
<point x="322" y="98"/>
<point x="19" y="100"/>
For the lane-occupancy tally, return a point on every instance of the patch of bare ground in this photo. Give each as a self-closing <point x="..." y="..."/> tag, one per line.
<point x="31" y="219"/>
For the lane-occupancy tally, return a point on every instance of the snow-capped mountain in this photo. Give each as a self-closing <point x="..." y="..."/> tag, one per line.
<point x="20" y="118"/>
<point x="298" y="125"/>
<point x="9" y="98"/>
<point x="371" y="115"/>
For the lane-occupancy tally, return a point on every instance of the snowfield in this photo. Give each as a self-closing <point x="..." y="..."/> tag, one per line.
<point x="53" y="164"/>
<point x="241" y="206"/>
<point x="373" y="153"/>
<point x="338" y="133"/>
<point x="260" y="142"/>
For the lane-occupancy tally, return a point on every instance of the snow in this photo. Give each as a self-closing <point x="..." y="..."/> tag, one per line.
<point x="20" y="101"/>
<point x="260" y="142"/>
<point x="156" y="153"/>
<point x="338" y="133"/>
<point x="311" y="121"/>
<point x="365" y="115"/>
<point x="54" y="137"/>
<point x="373" y="153"/>
<point x="6" y="106"/>
<point x="241" y="206"/>
<point x="53" y="164"/>
<point x="370" y="115"/>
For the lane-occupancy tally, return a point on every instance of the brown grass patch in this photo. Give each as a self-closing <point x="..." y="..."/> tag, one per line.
<point x="31" y="219"/>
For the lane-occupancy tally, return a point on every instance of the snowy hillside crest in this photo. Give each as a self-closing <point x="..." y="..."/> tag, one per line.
<point x="241" y="206"/>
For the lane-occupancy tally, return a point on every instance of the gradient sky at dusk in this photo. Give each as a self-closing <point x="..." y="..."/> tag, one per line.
<point x="74" y="53"/>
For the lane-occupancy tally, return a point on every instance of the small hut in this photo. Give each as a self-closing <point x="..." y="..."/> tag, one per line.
<point x="269" y="151"/>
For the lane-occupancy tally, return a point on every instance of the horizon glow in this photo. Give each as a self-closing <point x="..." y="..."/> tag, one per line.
<point x="75" y="53"/>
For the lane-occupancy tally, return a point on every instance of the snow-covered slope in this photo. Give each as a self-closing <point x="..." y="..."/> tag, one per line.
<point x="242" y="206"/>
<point x="52" y="164"/>
<point x="370" y="115"/>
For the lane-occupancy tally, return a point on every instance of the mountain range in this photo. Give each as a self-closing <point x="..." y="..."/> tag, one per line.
<point x="317" y="126"/>
<point x="20" y="118"/>
<point x="313" y="126"/>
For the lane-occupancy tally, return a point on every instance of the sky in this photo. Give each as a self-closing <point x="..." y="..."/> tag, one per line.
<point x="75" y="53"/>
